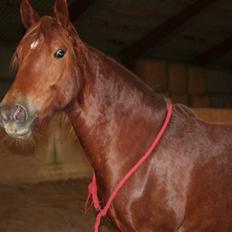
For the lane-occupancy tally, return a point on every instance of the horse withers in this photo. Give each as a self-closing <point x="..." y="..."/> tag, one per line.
<point x="186" y="184"/>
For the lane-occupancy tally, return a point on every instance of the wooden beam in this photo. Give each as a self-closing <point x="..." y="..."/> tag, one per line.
<point x="214" y="53"/>
<point x="165" y="29"/>
<point x="78" y="7"/>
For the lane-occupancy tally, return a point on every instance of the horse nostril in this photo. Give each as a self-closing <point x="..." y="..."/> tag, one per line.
<point x="19" y="114"/>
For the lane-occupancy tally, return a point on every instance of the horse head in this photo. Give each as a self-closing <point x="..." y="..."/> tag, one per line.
<point x="46" y="78"/>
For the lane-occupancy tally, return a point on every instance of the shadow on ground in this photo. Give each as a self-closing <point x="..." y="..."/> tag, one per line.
<point x="47" y="207"/>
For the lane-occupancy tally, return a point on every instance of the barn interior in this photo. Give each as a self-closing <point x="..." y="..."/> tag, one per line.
<point x="180" y="48"/>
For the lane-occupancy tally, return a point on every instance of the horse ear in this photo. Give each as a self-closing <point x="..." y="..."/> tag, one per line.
<point x="61" y="12"/>
<point x="28" y="15"/>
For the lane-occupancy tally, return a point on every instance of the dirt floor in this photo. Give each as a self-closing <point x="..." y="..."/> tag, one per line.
<point x="47" y="207"/>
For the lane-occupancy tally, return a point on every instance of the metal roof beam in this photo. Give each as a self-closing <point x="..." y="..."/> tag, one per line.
<point x="165" y="29"/>
<point x="78" y="7"/>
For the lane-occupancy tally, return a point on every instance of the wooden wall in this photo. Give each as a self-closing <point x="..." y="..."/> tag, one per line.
<point x="190" y="85"/>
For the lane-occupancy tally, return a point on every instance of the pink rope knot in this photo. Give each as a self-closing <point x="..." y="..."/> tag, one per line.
<point x="92" y="195"/>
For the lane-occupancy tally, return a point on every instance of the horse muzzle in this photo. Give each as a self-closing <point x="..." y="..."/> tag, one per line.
<point x="16" y="121"/>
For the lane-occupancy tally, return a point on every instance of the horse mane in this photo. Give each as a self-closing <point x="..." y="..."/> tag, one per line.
<point x="150" y="97"/>
<point x="183" y="112"/>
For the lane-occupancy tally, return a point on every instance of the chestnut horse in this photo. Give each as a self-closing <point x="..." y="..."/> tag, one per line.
<point x="186" y="185"/>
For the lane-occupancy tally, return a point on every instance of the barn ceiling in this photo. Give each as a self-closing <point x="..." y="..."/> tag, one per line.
<point x="196" y="31"/>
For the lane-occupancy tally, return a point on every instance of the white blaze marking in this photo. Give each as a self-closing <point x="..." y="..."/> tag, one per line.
<point x="34" y="44"/>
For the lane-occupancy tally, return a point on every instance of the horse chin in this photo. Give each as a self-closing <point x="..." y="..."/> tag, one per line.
<point x="21" y="136"/>
<point x="19" y="131"/>
<point x="44" y="117"/>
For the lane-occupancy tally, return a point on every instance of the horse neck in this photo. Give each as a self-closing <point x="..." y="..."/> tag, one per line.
<point x="115" y="116"/>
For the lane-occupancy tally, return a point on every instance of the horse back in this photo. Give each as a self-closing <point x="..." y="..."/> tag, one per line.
<point x="186" y="185"/>
<point x="208" y="194"/>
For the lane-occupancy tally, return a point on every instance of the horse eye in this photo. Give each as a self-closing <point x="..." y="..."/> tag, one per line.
<point x="59" y="53"/>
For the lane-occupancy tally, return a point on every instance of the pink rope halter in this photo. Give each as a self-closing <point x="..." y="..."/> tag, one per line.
<point x="93" y="185"/>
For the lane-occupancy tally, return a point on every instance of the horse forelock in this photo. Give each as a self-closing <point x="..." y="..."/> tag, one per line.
<point x="46" y="29"/>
